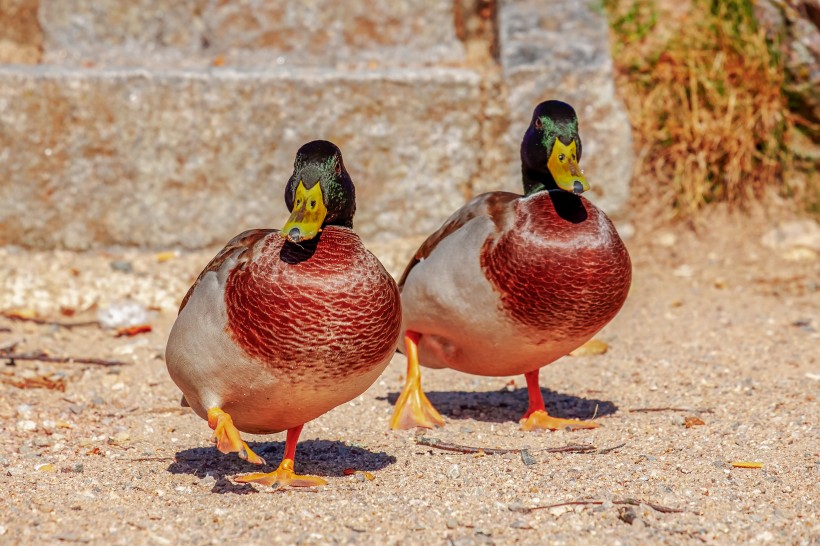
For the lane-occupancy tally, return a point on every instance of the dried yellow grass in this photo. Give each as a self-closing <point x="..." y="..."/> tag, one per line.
<point x="704" y="92"/>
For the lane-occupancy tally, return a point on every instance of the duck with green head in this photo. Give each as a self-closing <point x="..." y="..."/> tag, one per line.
<point x="284" y="325"/>
<point x="511" y="283"/>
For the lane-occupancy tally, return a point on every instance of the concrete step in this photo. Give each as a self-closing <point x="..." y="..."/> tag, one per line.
<point x="162" y="159"/>
<point x="250" y="33"/>
<point x="561" y="51"/>
<point x="163" y="123"/>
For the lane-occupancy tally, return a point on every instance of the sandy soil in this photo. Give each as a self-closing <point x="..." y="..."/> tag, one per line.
<point x="718" y="327"/>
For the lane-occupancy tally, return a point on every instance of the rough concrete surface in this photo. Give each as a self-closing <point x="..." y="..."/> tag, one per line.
<point x="157" y="123"/>
<point x="187" y="159"/>
<point x="719" y="329"/>
<point x="251" y="32"/>
<point x="567" y="57"/>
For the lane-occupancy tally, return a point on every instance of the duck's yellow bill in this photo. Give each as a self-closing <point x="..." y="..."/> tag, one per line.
<point x="563" y="165"/>
<point x="308" y="214"/>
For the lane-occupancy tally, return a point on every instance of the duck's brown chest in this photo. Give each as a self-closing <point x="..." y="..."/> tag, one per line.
<point x="561" y="266"/>
<point x="330" y="311"/>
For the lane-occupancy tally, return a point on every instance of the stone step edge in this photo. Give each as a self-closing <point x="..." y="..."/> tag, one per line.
<point x="50" y="71"/>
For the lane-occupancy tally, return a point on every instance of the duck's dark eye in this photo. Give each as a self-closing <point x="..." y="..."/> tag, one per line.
<point x="539" y="124"/>
<point x="338" y="167"/>
<point x="561" y="157"/>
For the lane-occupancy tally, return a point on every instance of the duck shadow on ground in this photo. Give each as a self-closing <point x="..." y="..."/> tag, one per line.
<point x="505" y="405"/>
<point x="316" y="457"/>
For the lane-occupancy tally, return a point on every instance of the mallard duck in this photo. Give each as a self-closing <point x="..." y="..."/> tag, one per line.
<point x="510" y="283"/>
<point x="284" y="325"/>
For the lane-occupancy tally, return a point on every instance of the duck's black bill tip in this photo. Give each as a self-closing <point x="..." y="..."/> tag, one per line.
<point x="577" y="187"/>
<point x="295" y="235"/>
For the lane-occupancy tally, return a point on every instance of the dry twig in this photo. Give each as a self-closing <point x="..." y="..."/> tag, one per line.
<point x="44" y="322"/>
<point x="631" y="502"/>
<point x="42" y="357"/>
<point x="571" y="448"/>
<point x="652" y="410"/>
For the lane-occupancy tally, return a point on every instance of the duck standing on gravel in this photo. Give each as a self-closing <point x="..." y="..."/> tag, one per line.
<point x="511" y="283"/>
<point x="283" y="326"/>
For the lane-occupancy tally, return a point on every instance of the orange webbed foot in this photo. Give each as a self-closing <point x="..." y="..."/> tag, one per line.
<point x="227" y="438"/>
<point x="541" y="420"/>
<point x="284" y="476"/>
<point x="413" y="409"/>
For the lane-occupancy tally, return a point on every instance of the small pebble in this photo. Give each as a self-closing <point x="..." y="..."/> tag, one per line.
<point x="27" y="425"/>
<point x="76" y="409"/>
<point x="528" y="459"/>
<point x="451" y="523"/>
<point x="453" y="472"/>
<point x="122" y="265"/>
<point x="627" y="514"/>
<point x="42" y="441"/>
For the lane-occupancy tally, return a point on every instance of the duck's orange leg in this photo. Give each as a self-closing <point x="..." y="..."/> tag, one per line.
<point x="284" y="476"/>
<point x="413" y="409"/>
<point x="537" y="417"/>
<point x="227" y="438"/>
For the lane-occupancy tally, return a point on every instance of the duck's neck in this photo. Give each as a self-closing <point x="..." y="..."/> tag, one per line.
<point x="535" y="181"/>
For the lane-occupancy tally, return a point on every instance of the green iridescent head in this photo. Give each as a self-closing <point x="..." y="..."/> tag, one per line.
<point x="319" y="192"/>
<point x="552" y="148"/>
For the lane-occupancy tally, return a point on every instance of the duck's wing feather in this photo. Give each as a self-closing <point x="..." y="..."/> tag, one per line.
<point x="497" y="205"/>
<point x="242" y="243"/>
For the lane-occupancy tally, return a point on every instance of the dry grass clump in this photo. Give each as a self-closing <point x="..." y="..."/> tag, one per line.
<point x="704" y="91"/>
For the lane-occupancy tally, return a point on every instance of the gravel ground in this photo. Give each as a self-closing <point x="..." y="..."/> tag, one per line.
<point x="719" y="336"/>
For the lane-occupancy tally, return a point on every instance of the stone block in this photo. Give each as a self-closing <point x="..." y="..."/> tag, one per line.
<point x="21" y="39"/>
<point x="245" y="33"/>
<point x="560" y="50"/>
<point x="162" y="159"/>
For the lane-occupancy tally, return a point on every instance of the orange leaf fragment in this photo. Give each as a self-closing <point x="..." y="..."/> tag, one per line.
<point x="693" y="422"/>
<point x="746" y="464"/>
<point x="352" y="471"/>
<point x="591" y="348"/>
<point x="39" y="382"/>
<point x="23" y="313"/>
<point x="166" y="256"/>
<point x="133" y="330"/>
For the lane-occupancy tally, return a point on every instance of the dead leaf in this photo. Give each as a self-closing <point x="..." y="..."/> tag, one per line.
<point x="367" y="475"/>
<point x="693" y="422"/>
<point x="746" y="464"/>
<point x="40" y="382"/>
<point x="591" y="348"/>
<point x="48" y="467"/>
<point x="166" y="256"/>
<point x="23" y="313"/>
<point x="133" y="330"/>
